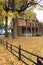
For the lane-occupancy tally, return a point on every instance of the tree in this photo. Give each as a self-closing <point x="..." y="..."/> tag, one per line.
<point x="28" y="14"/>
<point x="23" y="5"/>
<point x="19" y="6"/>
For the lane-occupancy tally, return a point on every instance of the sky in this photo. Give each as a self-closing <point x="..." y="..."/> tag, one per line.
<point x="39" y="15"/>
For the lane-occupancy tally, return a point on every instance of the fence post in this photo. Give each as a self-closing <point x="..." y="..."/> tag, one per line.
<point x="19" y="52"/>
<point x="38" y="61"/>
<point x="11" y="48"/>
<point x="6" y="45"/>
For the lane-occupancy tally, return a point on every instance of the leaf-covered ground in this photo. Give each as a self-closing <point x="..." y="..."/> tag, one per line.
<point x="31" y="44"/>
<point x="6" y="58"/>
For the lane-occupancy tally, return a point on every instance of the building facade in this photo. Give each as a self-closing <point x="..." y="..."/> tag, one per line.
<point x="29" y="28"/>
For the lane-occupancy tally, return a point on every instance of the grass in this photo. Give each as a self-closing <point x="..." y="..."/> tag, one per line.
<point x="31" y="44"/>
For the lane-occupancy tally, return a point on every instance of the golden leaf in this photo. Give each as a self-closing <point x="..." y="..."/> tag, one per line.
<point x="4" y="13"/>
<point x="15" y="14"/>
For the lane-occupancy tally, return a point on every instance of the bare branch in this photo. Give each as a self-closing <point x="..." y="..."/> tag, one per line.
<point x="27" y="5"/>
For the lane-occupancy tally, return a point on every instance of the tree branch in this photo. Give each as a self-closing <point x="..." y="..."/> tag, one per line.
<point x="27" y="5"/>
<point x="24" y="6"/>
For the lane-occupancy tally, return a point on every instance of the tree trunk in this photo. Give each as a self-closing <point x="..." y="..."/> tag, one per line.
<point x="14" y="31"/>
<point x="6" y="20"/>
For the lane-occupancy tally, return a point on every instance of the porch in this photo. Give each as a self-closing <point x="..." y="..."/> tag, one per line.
<point x="29" y="31"/>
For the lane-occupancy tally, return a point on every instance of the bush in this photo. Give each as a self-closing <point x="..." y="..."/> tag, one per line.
<point x="38" y="34"/>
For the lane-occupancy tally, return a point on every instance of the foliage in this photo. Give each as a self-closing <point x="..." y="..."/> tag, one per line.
<point x="4" y="13"/>
<point x="12" y="15"/>
<point x="31" y="15"/>
<point x="28" y="15"/>
<point x="20" y="5"/>
<point x="1" y="19"/>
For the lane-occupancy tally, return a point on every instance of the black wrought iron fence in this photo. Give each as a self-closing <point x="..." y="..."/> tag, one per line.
<point x="19" y="52"/>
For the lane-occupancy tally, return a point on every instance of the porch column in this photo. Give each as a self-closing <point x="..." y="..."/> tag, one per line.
<point x="20" y="31"/>
<point x="31" y="28"/>
<point x="26" y="27"/>
<point x="34" y="29"/>
<point x="38" y="30"/>
<point x="41" y="30"/>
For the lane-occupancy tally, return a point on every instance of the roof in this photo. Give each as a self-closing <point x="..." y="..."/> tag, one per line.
<point x="21" y="22"/>
<point x="35" y="19"/>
